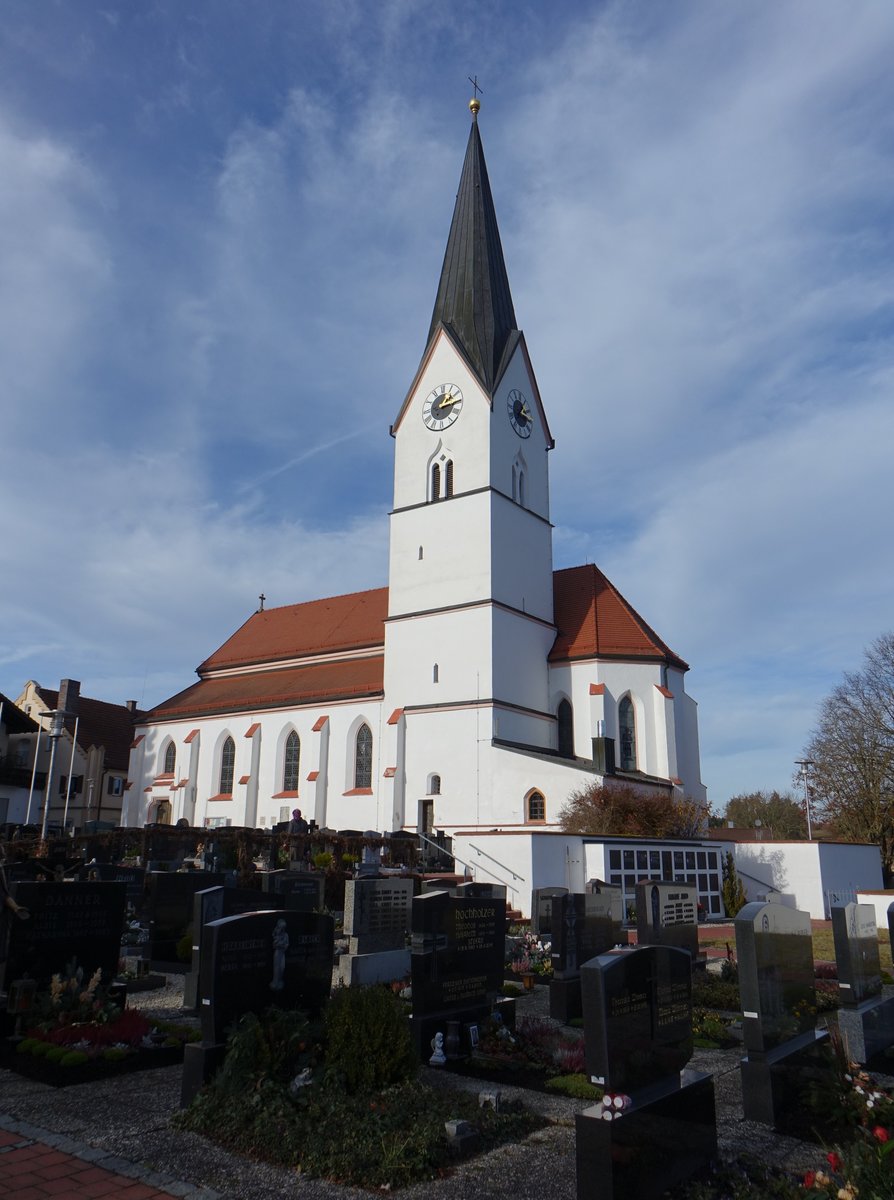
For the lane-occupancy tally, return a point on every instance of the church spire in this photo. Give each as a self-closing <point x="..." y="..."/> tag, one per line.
<point x="474" y="301"/>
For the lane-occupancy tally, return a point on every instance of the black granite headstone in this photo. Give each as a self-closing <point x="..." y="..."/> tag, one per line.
<point x="637" y="1015"/>
<point x="81" y="921"/>
<point x="263" y="959"/>
<point x="583" y="926"/>
<point x="667" y="915"/>
<point x="213" y="904"/>
<point x="134" y="877"/>
<point x="542" y="909"/>
<point x="656" y="1125"/>
<point x="304" y="889"/>
<point x="856" y="953"/>
<point x="458" y="945"/>
<point x="169" y="908"/>
<point x="775" y="952"/>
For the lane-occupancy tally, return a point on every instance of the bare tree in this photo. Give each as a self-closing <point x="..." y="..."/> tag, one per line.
<point x="852" y="749"/>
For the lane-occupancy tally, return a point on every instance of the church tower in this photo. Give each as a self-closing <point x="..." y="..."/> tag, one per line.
<point x="470" y="618"/>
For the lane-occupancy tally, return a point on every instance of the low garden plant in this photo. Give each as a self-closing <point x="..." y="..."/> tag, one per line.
<point x="340" y="1099"/>
<point x="76" y="1020"/>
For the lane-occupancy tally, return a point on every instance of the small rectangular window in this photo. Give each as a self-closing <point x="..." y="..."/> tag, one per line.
<point x="642" y="860"/>
<point x="628" y="860"/>
<point x="614" y="860"/>
<point x="701" y="859"/>
<point x="654" y="860"/>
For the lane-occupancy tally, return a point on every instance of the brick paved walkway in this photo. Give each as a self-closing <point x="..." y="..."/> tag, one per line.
<point x="37" y="1165"/>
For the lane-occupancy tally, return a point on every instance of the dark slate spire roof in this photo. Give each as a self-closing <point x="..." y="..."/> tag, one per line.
<point x="474" y="301"/>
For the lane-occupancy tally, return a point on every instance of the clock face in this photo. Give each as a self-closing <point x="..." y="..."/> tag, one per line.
<point x="442" y="406"/>
<point x="519" y="414"/>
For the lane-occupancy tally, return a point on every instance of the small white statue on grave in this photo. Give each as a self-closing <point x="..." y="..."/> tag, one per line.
<point x="438" y="1057"/>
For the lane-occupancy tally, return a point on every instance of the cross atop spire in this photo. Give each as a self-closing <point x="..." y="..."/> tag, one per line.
<point x="474" y="302"/>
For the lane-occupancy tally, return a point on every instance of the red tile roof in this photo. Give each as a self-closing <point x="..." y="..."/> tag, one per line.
<point x="335" y="625"/>
<point x="593" y="620"/>
<point x="100" y="724"/>
<point x="315" y="683"/>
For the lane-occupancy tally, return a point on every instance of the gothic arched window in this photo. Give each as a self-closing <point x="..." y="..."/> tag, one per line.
<point x="227" y="767"/>
<point x="363" y="758"/>
<point x="565" y="717"/>
<point x="170" y="758"/>
<point x="435" y="786"/>
<point x="627" y="729"/>
<point x="291" y="763"/>
<point x="536" y="807"/>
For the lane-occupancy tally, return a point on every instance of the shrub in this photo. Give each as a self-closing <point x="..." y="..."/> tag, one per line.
<point x="577" y="1086"/>
<point x="56" y="1053"/>
<point x="368" y="1042"/>
<point x="710" y="992"/>
<point x="74" y="1058"/>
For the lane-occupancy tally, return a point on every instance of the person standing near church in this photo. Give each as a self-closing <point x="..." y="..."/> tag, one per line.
<point x="297" y="823"/>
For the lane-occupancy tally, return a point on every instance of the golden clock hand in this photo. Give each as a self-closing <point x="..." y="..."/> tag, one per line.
<point x="448" y="400"/>
<point x="525" y="413"/>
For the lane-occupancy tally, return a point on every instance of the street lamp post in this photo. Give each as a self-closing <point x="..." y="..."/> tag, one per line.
<point x="55" y="733"/>
<point x="805" y="764"/>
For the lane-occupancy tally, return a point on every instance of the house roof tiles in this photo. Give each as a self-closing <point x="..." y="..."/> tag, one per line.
<point x="100" y="724"/>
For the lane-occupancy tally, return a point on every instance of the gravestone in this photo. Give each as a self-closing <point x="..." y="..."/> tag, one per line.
<point x="484" y="891"/>
<point x="212" y="904"/>
<point x="458" y="945"/>
<point x="865" y="1019"/>
<point x="774" y="948"/>
<point x="81" y="921"/>
<point x="667" y="915"/>
<point x="656" y="1124"/>
<point x="169" y="910"/>
<point x="856" y="953"/>
<point x="134" y="877"/>
<point x="378" y="914"/>
<point x="583" y="926"/>
<point x="542" y="909"/>
<point x="254" y="960"/>
<point x="302" y="891"/>
<point x="251" y="962"/>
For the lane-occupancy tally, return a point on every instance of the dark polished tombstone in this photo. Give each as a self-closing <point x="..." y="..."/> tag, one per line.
<point x="667" y="915"/>
<point x="583" y="926"/>
<point x="865" y="1019"/>
<point x="484" y="891"/>
<point x="134" y="877"/>
<point x="638" y="1037"/>
<point x="856" y="953"/>
<point x="458" y="945"/>
<point x="304" y="889"/>
<point x="80" y="921"/>
<point x="213" y="904"/>
<point x="169" y="910"/>
<point x="253" y="961"/>
<point x="542" y="909"/>
<point x="637" y="1015"/>
<point x="378" y="913"/>
<point x="774" y="948"/>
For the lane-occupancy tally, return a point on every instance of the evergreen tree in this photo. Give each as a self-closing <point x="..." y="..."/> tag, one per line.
<point x="733" y="892"/>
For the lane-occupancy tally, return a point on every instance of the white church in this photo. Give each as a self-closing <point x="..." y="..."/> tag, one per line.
<point x="478" y="689"/>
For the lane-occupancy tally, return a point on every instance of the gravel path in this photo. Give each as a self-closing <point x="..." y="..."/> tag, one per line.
<point x="130" y="1117"/>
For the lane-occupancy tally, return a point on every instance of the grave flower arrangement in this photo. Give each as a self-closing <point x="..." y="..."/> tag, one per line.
<point x="78" y="1021"/>
<point x="532" y="956"/>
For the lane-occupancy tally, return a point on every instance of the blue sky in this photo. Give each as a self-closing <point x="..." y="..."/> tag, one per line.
<point x="221" y="227"/>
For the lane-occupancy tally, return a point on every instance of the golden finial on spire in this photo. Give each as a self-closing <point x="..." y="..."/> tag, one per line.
<point x="475" y="103"/>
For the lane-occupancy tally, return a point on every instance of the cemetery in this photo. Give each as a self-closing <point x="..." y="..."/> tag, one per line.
<point x="642" y="1052"/>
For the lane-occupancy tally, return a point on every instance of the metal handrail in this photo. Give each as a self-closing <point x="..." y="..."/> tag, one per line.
<point x="456" y="858"/>
<point x="503" y="866"/>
